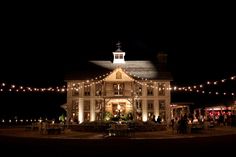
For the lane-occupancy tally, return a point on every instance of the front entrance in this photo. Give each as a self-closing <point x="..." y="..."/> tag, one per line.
<point x="118" y="108"/>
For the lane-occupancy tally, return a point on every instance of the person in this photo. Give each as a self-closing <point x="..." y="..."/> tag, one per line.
<point x="221" y="120"/>
<point x="159" y="119"/>
<point x="154" y="118"/>
<point x="172" y="123"/>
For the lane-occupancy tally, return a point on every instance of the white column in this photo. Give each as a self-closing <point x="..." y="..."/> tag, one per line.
<point x="92" y="110"/>
<point x="81" y="110"/>
<point x="92" y="90"/>
<point x="156" y="108"/>
<point x="144" y="110"/>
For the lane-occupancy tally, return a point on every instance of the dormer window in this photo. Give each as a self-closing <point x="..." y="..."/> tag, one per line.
<point x="118" y="75"/>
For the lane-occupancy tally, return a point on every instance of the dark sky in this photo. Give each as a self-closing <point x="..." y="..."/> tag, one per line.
<point x="50" y="42"/>
<point x="39" y="46"/>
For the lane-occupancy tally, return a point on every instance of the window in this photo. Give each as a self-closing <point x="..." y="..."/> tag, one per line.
<point x="118" y="89"/>
<point x="118" y="75"/>
<point x="87" y="90"/>
<point x="87" y="105"/>
<point x="98" y="91"/>
<point x="162" y="105"/>
<point x="163" y="115"/>
<point x="119" y="56"/>
<point x="98" y="110"/>
<point x="161" y="89"/>
<point x="150" y="89"/>
<point x="138" y="109"/>
<point x="98" y="105"/>
<point x="75" y="90"/>
<point x="75" y="107"/>
<point x="139" y="104"/>
<point x="86" y="116"/>
<point x="150" y="115"/>
<point x="139" y="89"/>
<point x="150" y="104"/>
<point x="98" y="116"/>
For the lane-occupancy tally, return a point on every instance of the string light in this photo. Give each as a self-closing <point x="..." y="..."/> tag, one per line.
<point x="232" y="78"/>
<point x="98" y="79"/>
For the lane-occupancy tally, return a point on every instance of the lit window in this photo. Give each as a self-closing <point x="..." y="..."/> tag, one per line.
<point x="87" y="90"/>
<point x="150" y="104"/>
<point x="150" y="89"/>
<point x="161" y="89"/>
<point x="75" y="90"/>
<point x="118" y="89"/>
<point x="118" y="75"/>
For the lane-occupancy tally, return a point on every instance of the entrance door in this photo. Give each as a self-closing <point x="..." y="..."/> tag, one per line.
<point x="118" y="109"/>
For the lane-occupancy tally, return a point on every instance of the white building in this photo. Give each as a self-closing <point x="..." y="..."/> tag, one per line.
<point x="139" y="89"/>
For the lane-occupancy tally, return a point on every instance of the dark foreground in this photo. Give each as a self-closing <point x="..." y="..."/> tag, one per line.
<point x="197" y="146"/>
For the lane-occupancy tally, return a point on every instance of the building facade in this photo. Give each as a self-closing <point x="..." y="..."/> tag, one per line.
<point x="119" y="88"/>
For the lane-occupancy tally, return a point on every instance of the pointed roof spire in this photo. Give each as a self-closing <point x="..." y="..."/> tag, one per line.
<point x="118" y="44"/>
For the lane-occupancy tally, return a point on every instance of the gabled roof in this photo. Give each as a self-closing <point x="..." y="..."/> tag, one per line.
<point x="139" y="69"/>
<point x="118" y="75"/>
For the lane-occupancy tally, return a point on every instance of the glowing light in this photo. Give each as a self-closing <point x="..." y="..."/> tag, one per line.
<point x="118" y="107"/>
<point x="145" y="118"/>
<point x="60" y="89"/>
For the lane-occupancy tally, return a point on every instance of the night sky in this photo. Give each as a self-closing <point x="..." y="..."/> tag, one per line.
<point x="38" y="47"/>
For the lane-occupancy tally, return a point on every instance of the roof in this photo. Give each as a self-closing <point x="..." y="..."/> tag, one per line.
<point x="137" y="69"/>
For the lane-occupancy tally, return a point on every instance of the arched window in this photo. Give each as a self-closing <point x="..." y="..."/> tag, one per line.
<point x="118" y="75"/>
